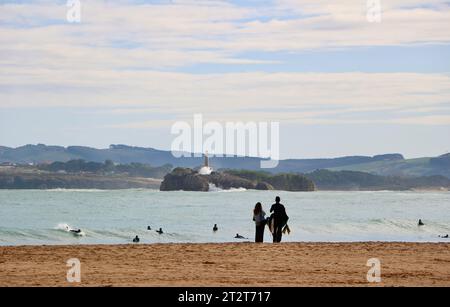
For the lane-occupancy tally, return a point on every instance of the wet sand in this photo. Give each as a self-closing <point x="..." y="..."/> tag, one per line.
<point x="228" y="264"/>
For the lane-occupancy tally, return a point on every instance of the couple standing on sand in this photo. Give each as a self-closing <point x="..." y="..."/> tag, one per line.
<point x="276" y="221"/>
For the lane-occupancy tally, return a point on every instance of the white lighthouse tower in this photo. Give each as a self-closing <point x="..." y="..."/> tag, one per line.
<point x="205" y="169"/>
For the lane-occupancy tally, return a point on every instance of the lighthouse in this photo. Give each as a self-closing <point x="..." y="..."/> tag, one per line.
<point x="205" y="169"/>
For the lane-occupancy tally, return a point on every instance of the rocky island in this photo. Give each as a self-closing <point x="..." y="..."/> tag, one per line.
<point x="187" y="179"/>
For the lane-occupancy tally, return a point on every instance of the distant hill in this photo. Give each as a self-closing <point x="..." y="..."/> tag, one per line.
<point x="441" y="161"/>
<point x="106" y="168"/>
<point x="32" y="178"/>
<point x="411" y="167"/>
<point x="386" y="165"/>
<point x="359" y="181"/>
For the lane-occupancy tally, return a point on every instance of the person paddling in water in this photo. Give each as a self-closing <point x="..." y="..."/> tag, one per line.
<point x="259" y="217"/>
<point x="160" y="231"/>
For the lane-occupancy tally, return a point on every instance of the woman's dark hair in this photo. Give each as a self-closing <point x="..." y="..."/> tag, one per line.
<point x="258" y="209"/>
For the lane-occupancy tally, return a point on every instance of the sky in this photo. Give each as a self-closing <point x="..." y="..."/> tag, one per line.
<point x="337" y="83"/>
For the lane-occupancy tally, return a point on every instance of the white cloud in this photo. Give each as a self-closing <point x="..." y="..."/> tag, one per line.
<point x="233" y="95"/>
<point x="118" y="34"/>
<point x="111" y="59"/>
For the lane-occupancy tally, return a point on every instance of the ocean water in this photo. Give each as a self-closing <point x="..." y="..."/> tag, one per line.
<point x="42" y="216"/>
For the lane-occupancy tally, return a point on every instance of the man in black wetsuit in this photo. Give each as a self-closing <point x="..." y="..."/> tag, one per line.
<point x="280" y="219"/>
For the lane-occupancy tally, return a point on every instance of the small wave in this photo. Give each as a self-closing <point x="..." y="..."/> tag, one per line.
<point x="67" y="228"/>
<point x="75" y="190"/>
<point x="214" y="188"/>
<point x="16" y="236"/>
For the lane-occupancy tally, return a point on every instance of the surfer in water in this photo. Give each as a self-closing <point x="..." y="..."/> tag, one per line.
<point x="136" y="239"/>
<point x="160" y="231"/>
<point x="259" y="217"/>
<point x="215" y="228"/>
<point x="238" y="236"/>
<point x="74" y="231"/>
<point x="149" y="228"/>
<point x="280" y="219"/>
<point x="420" y="223"/>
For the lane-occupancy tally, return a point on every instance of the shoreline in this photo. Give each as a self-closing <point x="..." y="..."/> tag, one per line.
<point x="228" y="264"/>
<point x="424" y="190"/>
<point x="444" y="241"/>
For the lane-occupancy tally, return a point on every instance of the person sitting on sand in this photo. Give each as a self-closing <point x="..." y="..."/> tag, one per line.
<point x="280" y="219"/>
<point x="259" y="217"/>
<point x="160" y="231"/>
<point x="215" y="228"/>
<point x="420" y="223"/>
<point x="136" y="239"/>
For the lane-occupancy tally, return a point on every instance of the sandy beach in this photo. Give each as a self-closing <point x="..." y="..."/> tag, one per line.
<point x="229" y="264"/>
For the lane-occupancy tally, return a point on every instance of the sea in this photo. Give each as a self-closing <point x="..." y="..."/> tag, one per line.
<point x="45" y="217"/>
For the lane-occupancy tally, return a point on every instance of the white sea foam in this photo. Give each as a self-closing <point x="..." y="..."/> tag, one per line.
<point x="214" y="188"/>
<point x="63" y="226"/>
<point x="67" y="228"/>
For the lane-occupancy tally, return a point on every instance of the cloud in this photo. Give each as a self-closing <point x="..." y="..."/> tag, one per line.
<point x="120" y="35"/>
<point x="179" y="33"/>
<point x="434" y="120"/>
<point x="150" y="124"/>
<point x="125" y="55"/>
<point x="219" y="92"/>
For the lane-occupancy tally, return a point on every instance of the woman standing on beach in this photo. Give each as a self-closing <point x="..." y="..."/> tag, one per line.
<point x="259" y="216"/>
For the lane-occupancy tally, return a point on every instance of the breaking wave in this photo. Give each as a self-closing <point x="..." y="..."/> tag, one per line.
<point x="214" y="188"/>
